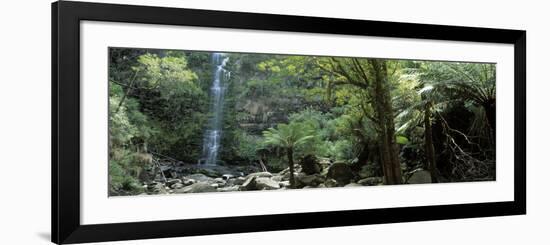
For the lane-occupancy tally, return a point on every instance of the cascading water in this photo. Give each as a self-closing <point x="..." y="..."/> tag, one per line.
<point x="212" y="136"/>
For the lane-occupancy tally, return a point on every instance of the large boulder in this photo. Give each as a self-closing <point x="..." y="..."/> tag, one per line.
<point x="420" y="177"/>
<point x="197" y="188"/>
<point x="341" y="172"/>
<point x="370" y="181"/>
<point x="236" y="181"/>
<point x="264" y="183"/>
<point x="310" y="165"/>
<point x="249" y="184"/>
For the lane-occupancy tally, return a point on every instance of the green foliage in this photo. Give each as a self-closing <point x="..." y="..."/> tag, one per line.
<point x="402" y="140"/>
<point x="248" y="145"/>
<point x="288" y="135"/>
<point x="122" y="173"/>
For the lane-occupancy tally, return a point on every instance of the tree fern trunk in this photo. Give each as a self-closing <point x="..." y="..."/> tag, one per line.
<point x="290" y="153"/>
<point x="428" y="142"/>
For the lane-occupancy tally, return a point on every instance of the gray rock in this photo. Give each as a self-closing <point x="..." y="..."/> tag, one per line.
<point x="420" y="177"/>
<point x="229" y="188"/>
<point x="155" y="187"/>
<point x="310" y="180"/>
<point x="199" y="177"/>
<point x="220" y="182"/>
<point x="236" y="181"/>
<point x="197" y="188"/>
<point x="249" y="184"/>
<point x="227" y="176"/>
<point x="171" y="182"/>
<point x="177" y="186"/>
<point x="352" y="184"/>
<point x="331" y="183"/>
<point x="187" y="182"/>
<point x="284" y="184"/>
<point x="297" y="169"/>
<point x="264" y="183"/>
<point x="277" y="178"/>
<point x="260" y="174"/>
<point x="286" y="176"/>
<point x="284" y="171"/>
<point x="370" y="181"/>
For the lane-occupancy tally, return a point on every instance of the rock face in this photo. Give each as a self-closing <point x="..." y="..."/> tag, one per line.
<point x="197" y="188"/>
<point x="420" y="177"/>
<point x="341" y="172"/>
<point x="310" y="165"/>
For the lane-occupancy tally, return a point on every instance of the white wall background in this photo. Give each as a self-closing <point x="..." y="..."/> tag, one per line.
<point x="25" y="121"/>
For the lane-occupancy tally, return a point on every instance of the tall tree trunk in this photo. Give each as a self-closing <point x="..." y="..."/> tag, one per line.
<point x="290" y="152"/>
<point x="428" y="141"/>
<point x="384" y="113"/>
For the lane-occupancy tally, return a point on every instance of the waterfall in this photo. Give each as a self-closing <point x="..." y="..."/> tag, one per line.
<point x="212" y="135"/>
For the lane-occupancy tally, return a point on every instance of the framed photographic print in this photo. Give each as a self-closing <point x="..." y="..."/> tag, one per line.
<point x="176" y="122"/>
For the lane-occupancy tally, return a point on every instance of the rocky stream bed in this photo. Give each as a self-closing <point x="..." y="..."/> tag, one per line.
<point x="310" y="174"/>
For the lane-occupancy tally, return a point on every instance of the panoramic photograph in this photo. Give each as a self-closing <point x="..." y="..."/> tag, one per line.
<point x="183" y="121"/>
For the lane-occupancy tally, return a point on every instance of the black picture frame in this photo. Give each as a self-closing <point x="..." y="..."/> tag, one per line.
<point x="66" y="17"/>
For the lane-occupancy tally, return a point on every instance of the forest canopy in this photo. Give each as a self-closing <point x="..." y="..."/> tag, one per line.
<point x="188" y="121"/>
